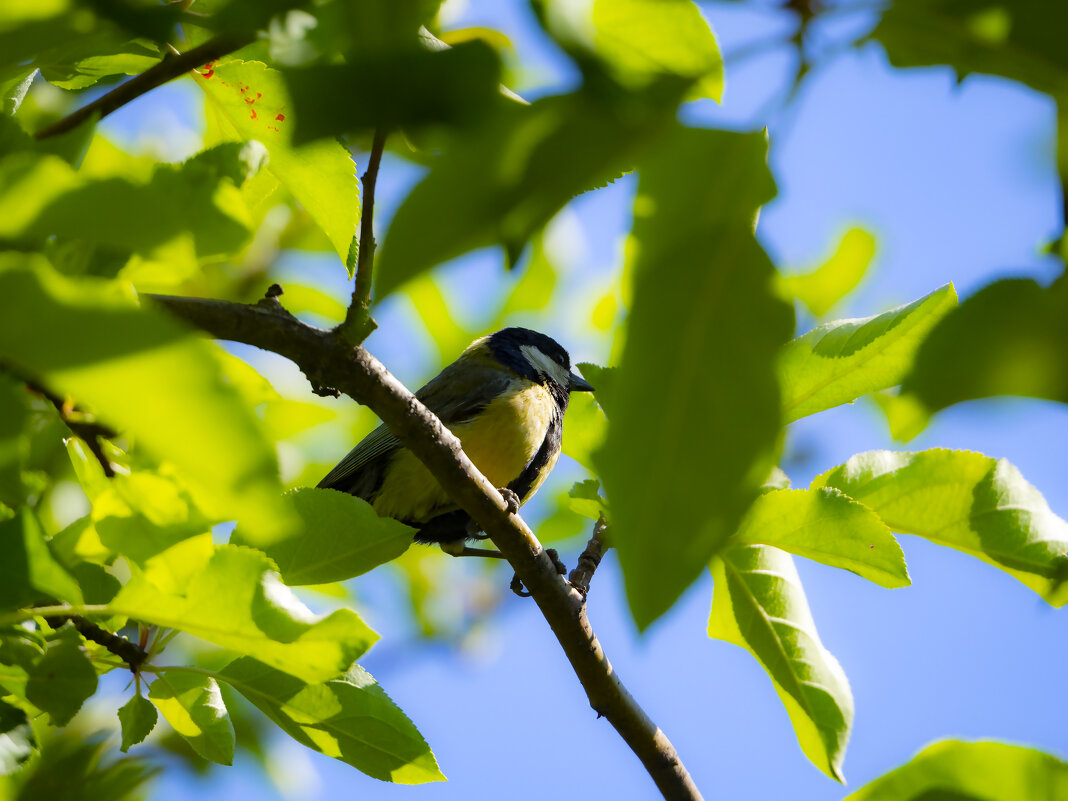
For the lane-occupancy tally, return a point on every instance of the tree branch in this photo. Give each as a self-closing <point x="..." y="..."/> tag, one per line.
<point x="87" y="432"/>
<point x="582" y="575"/>
<point x="130" y="653"/>
<point x="328" y="360"/>
<point x="357" y="323"/>
<point x="170" y="68"/>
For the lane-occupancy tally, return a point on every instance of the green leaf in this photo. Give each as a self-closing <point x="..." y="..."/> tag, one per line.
<point x="14" y="414"/>
<point x="603" y="380"/>
<point x="408" y="88"/>
<point x="956" y="770"/>
<point x="826" y="526"/>
<point x="17" y="740"/>
<point x="63" y="678"/>
<point x="1020" y="40"/>
<point x="71" y="768"/>
<point x="585" y="427"/>
<point x="683" y="459"/>
<point x="967" y="501"/>
<point x="586" y="500"/>
<point x="758" y="604"/>
<point x="252" y="98"/>
<point x="1009" y="338"/>
<point x="837" y="362"/>
<point x="822" y="288"/>
<point x="28" y="571"/>
<point x="508" y="192"/>
<point x="233" y="598"/>
<point x="341" y="537"/>
<point x="640" y="40"/>
<point x="194" y="707"/>
<point x="349" y="718"/>
<point x="137" y="718"/>
<point x="147" y="376"/>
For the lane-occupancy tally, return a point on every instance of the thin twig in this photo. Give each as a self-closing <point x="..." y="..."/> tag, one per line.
<point x="330" y="360"/>
<point x="582" y="575"/>
<point x="357" y="319"/>
<point x="170" y="68"/>
<point x="90" y="433"/>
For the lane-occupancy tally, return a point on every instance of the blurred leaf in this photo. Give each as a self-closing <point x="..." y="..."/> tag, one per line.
<point x="967" y="501"/>
<point x="826" y="526"/>
<point x="17" y="740"/>
<point x="905" y="416"/>
<point x="1020" y="40"/>
<point x="956" y="770"/>
<point x="683" y="458"/>
<point x="603" y="380"/>
<point x="448" y="336"/>
<point x="146" y="375"/>
<point x="342" y="537"/>
<point x="103" y="54"/>
<point x="15" y="81"/>
<point x="640" y="40"/>
<point x="585" y="428"/>
<point x="758" y="604"/>
<point x="192" y="704"/>
<point x="822" y="288"/>
<point x="70" y="768"/>
<point x="349" y="718"/>
<point x="534" y="289"/>
<point x="63" y="678"/>
<point x="394" y="89"/>
<point x="237" y="601"/>
<point x="1009" y="338"/>
<point x="287" y="418"/>
<point x="301" y="298"/>
<point x="14" y="414"/>
<point x="837" y="362"/>
<point x="589" y="139"/>
<point x="137" y="718"/>
<point x="28" y="571"/>
<point x="253" y="98"/>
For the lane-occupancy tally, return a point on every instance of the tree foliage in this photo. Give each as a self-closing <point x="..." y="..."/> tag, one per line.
<point x="195" y="518"/>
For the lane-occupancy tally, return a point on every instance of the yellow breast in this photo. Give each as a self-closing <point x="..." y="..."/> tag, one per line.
<point x="501" y="441"/>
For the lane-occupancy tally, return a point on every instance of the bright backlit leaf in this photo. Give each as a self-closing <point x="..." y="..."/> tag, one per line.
<point x="349" y="718"/>
<point x="758" y="604"/>
<point x="822" y="288"/>
<point x="321" y="175"/>
<point x="683" y="459"/>
<point x="967" y="501"/>
<point x="237" y="601"/>
<point x="837" y="362"/>
<point x="585" y="427"/>
<point x="956" y="770"/>
<point x="194" y="707"/>
<point x="341" y="537"/>
<point x="826" y="526"/>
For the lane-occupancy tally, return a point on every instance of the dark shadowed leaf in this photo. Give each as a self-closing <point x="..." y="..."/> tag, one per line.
<point x="967" y="501"/>
<point x="17" y="740"/>
<point x="758" y="604"/>
<point x="63" y="678"/>
<point x="349" y="718"/>
<point x="28" y="571"/>
<point x="137" y="718"/>
<point x="683" y="459"/>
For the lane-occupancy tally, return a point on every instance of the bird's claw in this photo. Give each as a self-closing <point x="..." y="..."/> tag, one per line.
<point x="511" y="500"/>
<point x="516" y="585"/>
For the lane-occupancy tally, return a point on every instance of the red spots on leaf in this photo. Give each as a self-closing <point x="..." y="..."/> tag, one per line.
<point x="208" y="70"/>
<point x="272" y="128"/>
<point x="281" y="117"/>
<point x="252" y="116"/>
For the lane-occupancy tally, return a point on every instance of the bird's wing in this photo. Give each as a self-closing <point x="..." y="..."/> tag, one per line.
<point x="455" y="395"/>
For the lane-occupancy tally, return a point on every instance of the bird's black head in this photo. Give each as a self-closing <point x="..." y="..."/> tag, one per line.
<point x="536" y="357"/>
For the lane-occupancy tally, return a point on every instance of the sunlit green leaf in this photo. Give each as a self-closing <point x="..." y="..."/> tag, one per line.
<point x="192" y="704"/>
<point x="1009" y="338"/>
<point x="822" y="288"/>
<point x="586" y="499"/>
<point x="683" y="458"/>
<point x="585" y="428"/>
<point x="28" y="571"/>
<point x="144" y="374"/>
<point x="349" y="718"/>
<point x="63" y="679"/>
<point x="603" y="380"/>
<point x="758" y="604"/>
<point x="837" y="362"/>
<point x="234" y="599"/>
<point x="956" y="770"/>
<point x="967" y="501"/>
<point x="137" y="718"/>
<point x="341" y="537"/>
<point x="253" y="99"/>
<point x="826" y="526"/>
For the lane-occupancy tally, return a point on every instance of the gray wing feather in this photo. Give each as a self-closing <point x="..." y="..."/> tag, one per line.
<point x="455" y="395"/>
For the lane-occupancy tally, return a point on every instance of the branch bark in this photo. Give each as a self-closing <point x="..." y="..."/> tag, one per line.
<point x="157" y="75"/>
<point x="329" y="361"/>
<point x="357" y="323"/>
<point x="582" y="575"/>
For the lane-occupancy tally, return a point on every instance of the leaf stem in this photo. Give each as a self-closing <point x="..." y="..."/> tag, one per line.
<point x="167" y="70"/>
<point x="59" y="610"/>
<point x="357" y="323"/>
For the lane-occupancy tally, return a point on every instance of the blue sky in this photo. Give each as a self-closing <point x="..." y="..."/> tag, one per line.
<point x="957" y="182"/>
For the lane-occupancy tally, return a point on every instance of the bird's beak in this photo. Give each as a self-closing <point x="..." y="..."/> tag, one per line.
<point x="578" y="384"/>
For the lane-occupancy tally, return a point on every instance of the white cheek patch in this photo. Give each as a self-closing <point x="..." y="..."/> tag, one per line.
<point x="543" y="364"/>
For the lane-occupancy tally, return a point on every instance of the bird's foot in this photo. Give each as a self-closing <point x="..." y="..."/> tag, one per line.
<point x="516" y="585"/>
<point x="511" y="500"/>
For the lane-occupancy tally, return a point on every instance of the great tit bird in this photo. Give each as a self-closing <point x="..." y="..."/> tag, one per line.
<point x="505" y="399"/>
